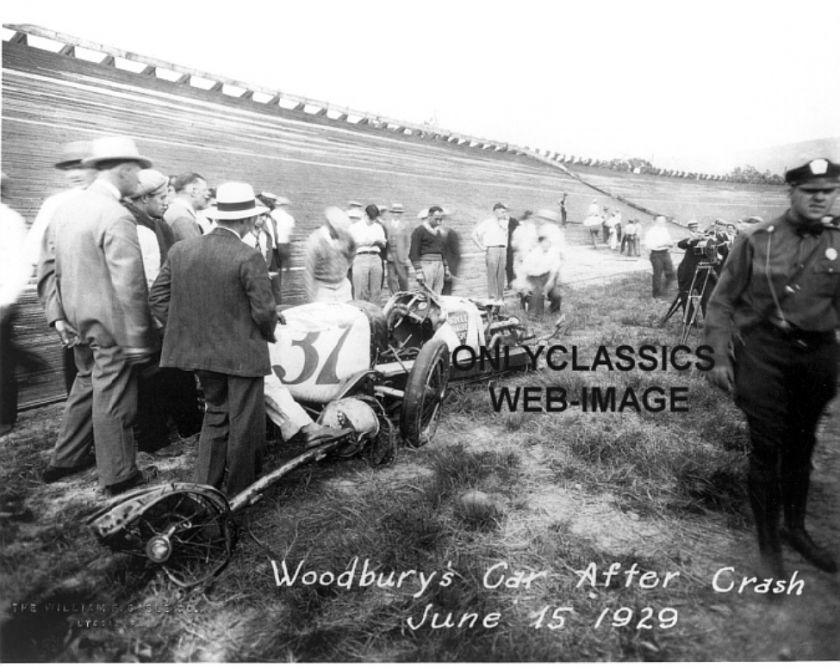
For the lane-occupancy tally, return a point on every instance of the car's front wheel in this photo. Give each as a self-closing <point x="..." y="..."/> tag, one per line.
<point x="424" y="391"/>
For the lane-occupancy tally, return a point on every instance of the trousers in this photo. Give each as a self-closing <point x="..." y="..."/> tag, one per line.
<point x="367" y="277"/>
<point x="661" y="262"/>
<point x="783" y="383"/>
<point x="100" y="412"/>
<point x="232" y="437"/>
<point x="496" y="259"/>
<point x="433" y="271"/>
<point x="397" y="277"/>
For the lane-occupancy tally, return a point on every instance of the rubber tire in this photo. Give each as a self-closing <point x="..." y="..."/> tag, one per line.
<point x="432" y="361"/>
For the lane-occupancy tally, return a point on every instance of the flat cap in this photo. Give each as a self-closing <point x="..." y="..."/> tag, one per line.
<point x="821" y="169"/>
<point x="151" y="180"/>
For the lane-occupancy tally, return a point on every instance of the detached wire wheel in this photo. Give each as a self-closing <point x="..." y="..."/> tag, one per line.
<point x="189" y="534"/>
<point x="424" y="392"/>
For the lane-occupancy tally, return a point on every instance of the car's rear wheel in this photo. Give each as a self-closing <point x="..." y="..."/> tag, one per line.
<point x="424" y="391"/>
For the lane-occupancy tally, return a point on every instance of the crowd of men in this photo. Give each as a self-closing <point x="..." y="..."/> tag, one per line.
<point x="151" y="281"/>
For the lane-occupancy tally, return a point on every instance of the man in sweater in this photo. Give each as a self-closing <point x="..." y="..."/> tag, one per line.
<point x="327" y="257"/>
<point x="427" y="251"/>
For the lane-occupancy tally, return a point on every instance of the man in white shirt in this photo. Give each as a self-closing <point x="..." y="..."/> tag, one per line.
<point x="491" y="236"/>
<point x="659" y="242"/>
<point x="370" y="239"/>
<point x="284" y="223"/>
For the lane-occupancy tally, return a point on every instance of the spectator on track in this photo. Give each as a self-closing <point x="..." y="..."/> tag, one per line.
<point x="162" y="393"/>
<point x="427" y="251"/>
<point x="659" y="243"/>
<point x="370" y="240"/>
<point x="191" y="196"/>
<point x="284" y="224"/>
<point x="77" y="178"/>
<point x="491" y="236"/>
<point x="97" y="300"/>
<point x="399" y="245"/>
<point x="327" y="257"/>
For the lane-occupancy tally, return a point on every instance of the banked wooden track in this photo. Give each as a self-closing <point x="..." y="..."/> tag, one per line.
<point x="49" y="99"/>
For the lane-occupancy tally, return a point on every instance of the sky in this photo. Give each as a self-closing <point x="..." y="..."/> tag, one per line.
<point x="687" y="85"/>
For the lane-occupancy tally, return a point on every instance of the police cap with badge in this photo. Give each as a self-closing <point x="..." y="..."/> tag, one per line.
<point x="819" y="170"/>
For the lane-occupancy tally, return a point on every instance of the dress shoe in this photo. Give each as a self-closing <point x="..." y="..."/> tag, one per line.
<point x="55" y="473"/>
<point x="800" y="541"/>
<point x="141" y="477"/>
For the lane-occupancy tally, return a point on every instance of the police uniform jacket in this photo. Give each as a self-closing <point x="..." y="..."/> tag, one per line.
<point x="213" y="295"/>
<point x="777" y="261"/>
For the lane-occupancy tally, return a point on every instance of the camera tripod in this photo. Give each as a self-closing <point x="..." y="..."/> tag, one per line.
<point x="694" y="300"/>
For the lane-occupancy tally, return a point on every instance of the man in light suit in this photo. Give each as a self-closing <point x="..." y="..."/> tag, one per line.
<point x="93" y="289"/>
<point x="213" y="295"/>
<point x="191" y="195"/>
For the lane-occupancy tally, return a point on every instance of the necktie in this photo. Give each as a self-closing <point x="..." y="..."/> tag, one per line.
<point x="809" y="228"/>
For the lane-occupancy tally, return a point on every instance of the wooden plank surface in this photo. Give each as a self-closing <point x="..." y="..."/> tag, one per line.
<point x="49" y="99"/>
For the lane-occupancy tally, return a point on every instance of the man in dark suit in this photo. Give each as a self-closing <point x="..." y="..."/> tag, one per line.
<point x="92" y="286"/>
<point x="213" y="296"/>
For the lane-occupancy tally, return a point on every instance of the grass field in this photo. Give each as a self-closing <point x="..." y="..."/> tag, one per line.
<point x="517" y="576"/>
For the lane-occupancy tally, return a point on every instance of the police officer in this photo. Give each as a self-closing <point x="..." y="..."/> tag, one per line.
<point x="778" y="300"/>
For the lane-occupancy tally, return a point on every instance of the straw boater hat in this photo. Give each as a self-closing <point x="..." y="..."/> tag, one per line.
<point x="115" y="148"/>
<point x="397" y="208"/>
<point x="235" y="201"/>
<point x="72" y="154"/>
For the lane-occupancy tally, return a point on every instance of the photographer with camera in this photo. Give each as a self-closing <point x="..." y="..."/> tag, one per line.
<point x="700" y="259"/>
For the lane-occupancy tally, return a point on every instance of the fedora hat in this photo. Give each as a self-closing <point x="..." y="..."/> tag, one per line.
<point x="115" y="148"/>
<point x="72" y="154"/>
<point x="235" y="201"/>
